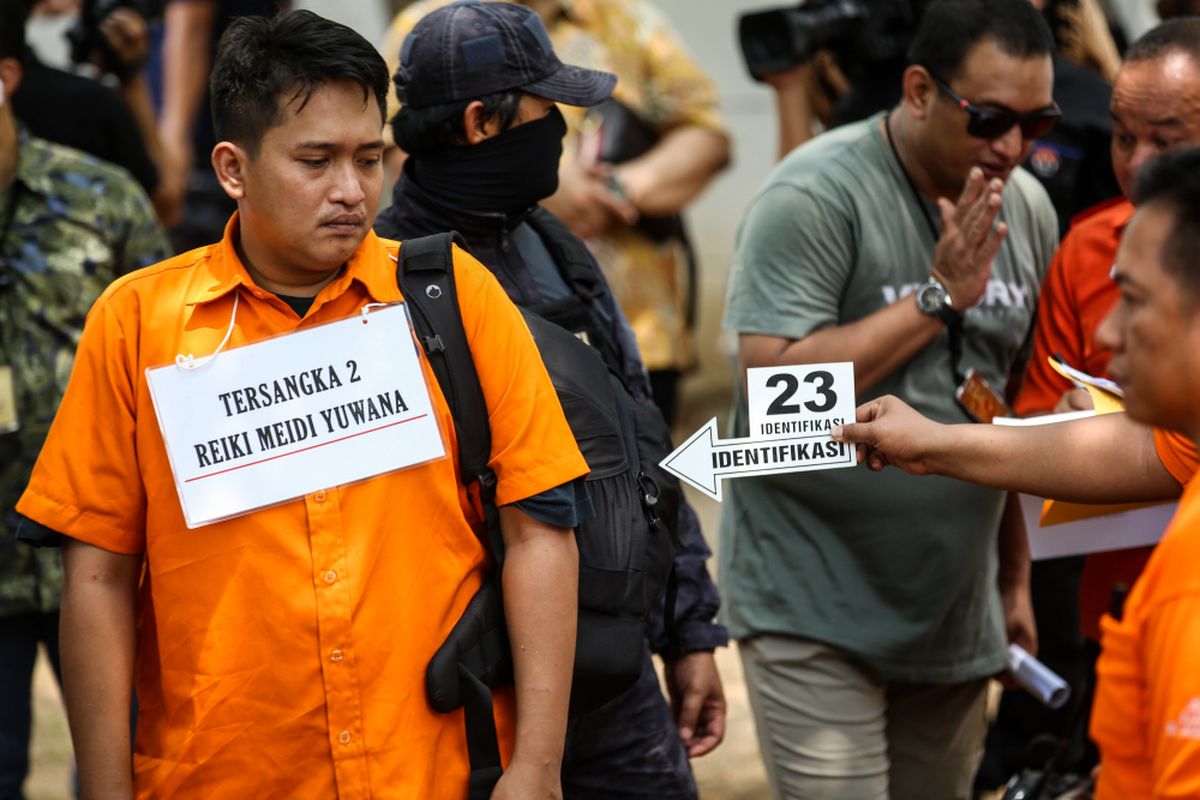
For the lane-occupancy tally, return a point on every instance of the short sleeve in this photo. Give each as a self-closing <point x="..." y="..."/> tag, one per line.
<point x="1057" y="332"/>
<point x="794" y="257"/>
<point x="1177" y="454"/>
<point x="533" y="449"/>
<point x="86" y="483"/>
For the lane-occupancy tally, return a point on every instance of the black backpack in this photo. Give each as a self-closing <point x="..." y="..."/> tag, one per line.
<point x="626" y="550"/>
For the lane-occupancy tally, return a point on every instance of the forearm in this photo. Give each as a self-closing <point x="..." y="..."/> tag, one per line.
<point x="1104" y="459"/>
<point x="794" y="114"/>
<point x="665" y="179"/>
<point x="541" y="594"/>
<point x="187" y="59"/>
<point x="878" y="344"/>
<point x="136" y="96"/>
<point x="1012" y="545"/>
<point x="97" y="636"/>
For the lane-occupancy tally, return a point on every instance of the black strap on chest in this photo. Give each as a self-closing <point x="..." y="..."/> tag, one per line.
<point x="425" y="272"/>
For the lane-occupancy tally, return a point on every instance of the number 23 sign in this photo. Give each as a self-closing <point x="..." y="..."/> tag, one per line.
<point x="801" y="398"/>
<point x="792" y="409"/>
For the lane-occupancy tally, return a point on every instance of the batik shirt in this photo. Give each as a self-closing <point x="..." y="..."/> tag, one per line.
<point x="69" y="225"/>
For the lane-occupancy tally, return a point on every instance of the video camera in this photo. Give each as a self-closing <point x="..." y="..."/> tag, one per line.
<point x="858" y="33"/>
<point x="86" y="38"/>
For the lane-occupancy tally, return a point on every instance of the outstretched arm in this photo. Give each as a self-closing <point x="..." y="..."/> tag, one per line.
<point x="1104" y="459"/>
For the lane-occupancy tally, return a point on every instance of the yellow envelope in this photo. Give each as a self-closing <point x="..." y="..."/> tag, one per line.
<point x="1057" y="512"/>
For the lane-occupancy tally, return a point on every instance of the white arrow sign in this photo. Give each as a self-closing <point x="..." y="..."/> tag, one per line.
<point x="792" y="409"/>
<point x="704" y="460"/>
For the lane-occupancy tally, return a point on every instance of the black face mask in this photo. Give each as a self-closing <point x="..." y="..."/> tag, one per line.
<point x="507" y="173"/>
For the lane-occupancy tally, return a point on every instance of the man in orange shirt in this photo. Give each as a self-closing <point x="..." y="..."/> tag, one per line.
<point x="1155" y="107"/>
<point x="1146" y="717"/>
<point x="281" y="652"/>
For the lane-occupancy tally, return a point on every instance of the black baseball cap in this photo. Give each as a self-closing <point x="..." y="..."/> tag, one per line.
<point x="471" y="48"/>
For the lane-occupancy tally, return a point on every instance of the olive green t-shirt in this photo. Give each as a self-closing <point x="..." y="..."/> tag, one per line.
<point x="898" y="570"/>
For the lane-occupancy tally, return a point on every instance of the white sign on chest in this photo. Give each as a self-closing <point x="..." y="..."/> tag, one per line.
<point x="272" y="421"/>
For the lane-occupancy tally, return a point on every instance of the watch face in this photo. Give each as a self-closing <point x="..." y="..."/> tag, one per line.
<point x="931" y="297"/>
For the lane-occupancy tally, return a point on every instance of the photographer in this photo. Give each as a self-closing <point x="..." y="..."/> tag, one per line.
<point x="871" y="613"/>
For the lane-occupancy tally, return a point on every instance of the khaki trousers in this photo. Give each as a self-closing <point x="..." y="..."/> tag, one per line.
<point x="829" y="730"/>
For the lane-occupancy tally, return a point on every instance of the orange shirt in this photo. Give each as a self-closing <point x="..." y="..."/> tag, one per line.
<point x="1177" y="453"/>
<point x="1146" y="717"/>
<point x="1076" y="297"/>
<point x="283" y="653"/>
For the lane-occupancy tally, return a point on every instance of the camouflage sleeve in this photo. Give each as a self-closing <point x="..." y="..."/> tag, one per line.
<point x="144" y="240"/>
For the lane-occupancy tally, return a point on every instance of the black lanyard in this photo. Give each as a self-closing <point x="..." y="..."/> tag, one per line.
<point x="954" y="330"/>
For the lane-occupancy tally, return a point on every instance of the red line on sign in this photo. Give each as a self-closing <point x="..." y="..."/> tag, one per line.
<point x="303" y="449"/>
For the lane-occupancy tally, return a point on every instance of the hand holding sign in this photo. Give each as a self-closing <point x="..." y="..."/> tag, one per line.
<point x="792" y="411"/>
<point x="889" y="431"/>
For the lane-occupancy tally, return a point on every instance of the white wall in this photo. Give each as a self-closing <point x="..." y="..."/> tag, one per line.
<point x="368" y="17"/>
<point x="709" y="27"/>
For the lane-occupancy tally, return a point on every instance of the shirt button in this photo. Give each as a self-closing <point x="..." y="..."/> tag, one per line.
<point x="344" y="737"/>
<point x="329" y="577"/>
<point x="319" y="495"/>
<point x="336" y="656"/>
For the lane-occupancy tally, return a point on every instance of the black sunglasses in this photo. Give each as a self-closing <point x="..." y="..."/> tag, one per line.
<point x="992" y="123"/>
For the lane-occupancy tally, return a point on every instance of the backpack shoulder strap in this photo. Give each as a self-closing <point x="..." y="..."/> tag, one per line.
<point x="575" y="262"/>
<point x="425" y="272"/>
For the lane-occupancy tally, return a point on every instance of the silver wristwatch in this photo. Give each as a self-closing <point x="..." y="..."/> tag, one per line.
<point x="934" y="300"/>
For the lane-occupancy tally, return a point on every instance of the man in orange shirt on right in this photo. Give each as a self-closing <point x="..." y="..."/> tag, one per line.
<point x="1155" y="107"/>
<point x="1146" y="716"/>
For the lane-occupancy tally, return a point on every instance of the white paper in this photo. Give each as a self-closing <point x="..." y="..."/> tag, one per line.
<point x="800" y="400"/>
<point x="275" y="420"/>
<point x="1138" y="528"/>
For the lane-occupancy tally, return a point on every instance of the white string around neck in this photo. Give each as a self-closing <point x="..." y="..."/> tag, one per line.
<point x="189" y="361"/>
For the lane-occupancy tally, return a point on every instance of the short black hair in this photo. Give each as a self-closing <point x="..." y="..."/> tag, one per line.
<point x="950" y="28"/>
<point x="262" y="59"/>
<point x="430" y="130"/>
<point x="1181" y="33"/>
<point x="13" y="15"/>
<point x="1172" y="182"/>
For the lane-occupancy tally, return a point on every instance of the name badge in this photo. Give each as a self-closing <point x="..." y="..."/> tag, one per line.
<point x="9" y="421"/>
<point x="272" y="421"/>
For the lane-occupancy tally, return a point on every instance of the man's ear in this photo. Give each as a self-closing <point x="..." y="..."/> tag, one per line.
<point x="10" y="75"/>
<point x="919" y="91"/>
<point x="476" y="129"/>
<point x="229" y="163"/>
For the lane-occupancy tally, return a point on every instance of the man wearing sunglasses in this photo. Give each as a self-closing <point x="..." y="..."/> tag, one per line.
<point x="872" y="609"/>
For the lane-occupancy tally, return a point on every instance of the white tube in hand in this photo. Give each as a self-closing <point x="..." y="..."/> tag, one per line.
<point x="1036" y="678"/>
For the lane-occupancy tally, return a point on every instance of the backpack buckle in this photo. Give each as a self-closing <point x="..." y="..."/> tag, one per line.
<point x="649" y="491"/>
<point x="434" y="345"/>
<point x="487" y="483"/>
